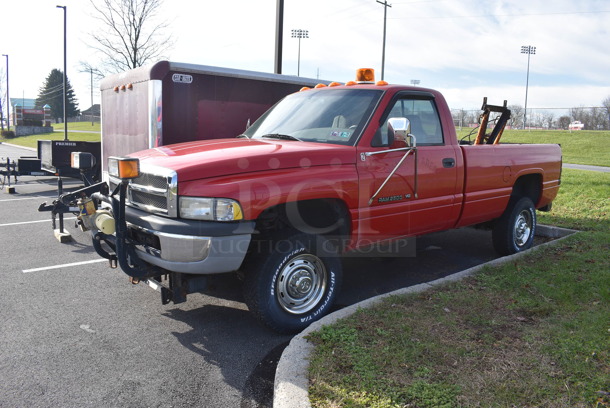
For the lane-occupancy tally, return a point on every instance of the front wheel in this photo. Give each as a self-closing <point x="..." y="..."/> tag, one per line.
<point x="292" y="281"/>
<point x="514" y="231"/>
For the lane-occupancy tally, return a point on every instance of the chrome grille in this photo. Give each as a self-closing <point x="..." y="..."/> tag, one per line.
<point x="151" y="181"/>
<point x="148" y="200"/>
<point x="154" y="191"/>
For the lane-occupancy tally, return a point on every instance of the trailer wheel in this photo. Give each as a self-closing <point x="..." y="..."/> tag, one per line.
<point x="292" y="281"/>
<point x="514" y="231"/>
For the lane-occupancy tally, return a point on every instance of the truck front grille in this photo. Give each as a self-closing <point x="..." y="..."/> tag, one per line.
<point x="154" y="191"/>
<point x="147" y="199"/>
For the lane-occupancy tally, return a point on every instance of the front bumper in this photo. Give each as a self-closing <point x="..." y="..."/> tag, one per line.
<point x="185" y="246"/>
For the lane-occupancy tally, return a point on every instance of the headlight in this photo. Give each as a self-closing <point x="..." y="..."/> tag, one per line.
<point x="210" y="209"/>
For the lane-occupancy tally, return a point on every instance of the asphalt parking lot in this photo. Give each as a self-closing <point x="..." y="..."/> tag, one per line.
<point x="76" y="333"/>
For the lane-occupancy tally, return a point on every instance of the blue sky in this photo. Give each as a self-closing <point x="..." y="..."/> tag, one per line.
<point x="467" y="49"/>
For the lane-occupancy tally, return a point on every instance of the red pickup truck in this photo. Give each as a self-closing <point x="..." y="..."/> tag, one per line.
<point x="325" y="171"/>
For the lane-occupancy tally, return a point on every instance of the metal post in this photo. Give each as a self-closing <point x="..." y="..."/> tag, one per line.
<point x="385" y="14"/>
<point x="8" y="101"/>
<point x="65" y="77"/>
<point x="60" y="191"/>
<point x="91" y="69"/>
<point x="279" y="28"/>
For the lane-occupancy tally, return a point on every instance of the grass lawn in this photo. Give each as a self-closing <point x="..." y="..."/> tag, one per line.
<point x="532" y="333"/>
<point x="82" y="126"/>
<point x="32" y="141"/>
<point x="579" y="147"/>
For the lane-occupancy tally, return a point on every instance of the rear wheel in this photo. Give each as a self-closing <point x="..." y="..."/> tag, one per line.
<point x="514" y="231"/>
<point x="292" y="281"/>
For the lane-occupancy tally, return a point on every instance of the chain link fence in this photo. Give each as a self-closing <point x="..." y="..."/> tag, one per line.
<point x="593" y="118"/>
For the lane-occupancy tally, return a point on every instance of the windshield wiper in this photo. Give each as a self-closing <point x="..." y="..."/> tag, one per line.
<point x="281" y="137"/>
<point x="242" y="136"/>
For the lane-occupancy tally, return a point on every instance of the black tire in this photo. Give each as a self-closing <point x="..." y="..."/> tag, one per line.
<point x="514" y="231"/>
<point x="292" y="281"/>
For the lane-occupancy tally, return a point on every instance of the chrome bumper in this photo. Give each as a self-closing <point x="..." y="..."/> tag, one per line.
<point x="195" y="254"/>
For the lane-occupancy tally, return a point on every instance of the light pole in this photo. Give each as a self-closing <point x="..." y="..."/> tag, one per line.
<point x="529" y="50"/>
<point x="8" y="101"/>
<point x="299" y="34"/>
<point x="65" y="75"/>
<point x="279" y="37"/>
<point x="385" y="5"/>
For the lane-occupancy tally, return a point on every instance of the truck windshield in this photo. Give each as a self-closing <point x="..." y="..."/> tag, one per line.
<point x="326" y="115"/>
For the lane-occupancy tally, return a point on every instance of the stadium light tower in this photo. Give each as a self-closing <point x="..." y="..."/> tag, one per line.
<point x="529" y="50"/>
<point x="299" y="34"/>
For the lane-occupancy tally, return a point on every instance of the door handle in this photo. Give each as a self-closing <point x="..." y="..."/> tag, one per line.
<point x="449" y="162"/>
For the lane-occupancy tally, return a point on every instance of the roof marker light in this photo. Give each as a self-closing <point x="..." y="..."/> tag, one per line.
<point x="351" y="83"/>
<point x="305" y="88"/>
<point x="334" y="84"/>
<point x="320" y="86"/>
<point x="382" y="83"/>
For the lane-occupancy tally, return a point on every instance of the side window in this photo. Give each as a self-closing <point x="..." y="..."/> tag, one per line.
<point x="425" y="123"/>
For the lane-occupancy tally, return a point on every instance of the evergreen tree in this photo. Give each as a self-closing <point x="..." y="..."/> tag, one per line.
<point x="51" y="93"/>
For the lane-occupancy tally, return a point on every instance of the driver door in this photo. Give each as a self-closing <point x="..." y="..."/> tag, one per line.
<point x="421" y="196"/>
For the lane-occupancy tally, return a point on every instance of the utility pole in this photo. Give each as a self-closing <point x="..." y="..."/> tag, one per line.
<point x="8" y="101"/>
<point x="91" y="70"/>
<point x="65" y="75"/>
<point x="385" y="5"/>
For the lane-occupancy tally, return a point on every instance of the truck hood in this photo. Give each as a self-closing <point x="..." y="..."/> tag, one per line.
<point x="222" y="157"/>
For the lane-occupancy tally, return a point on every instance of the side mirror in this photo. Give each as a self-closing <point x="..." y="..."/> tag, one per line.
<point x="399" y="130"/>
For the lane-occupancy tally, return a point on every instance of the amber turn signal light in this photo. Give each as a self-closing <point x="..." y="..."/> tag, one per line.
<point x="124" y="168"/>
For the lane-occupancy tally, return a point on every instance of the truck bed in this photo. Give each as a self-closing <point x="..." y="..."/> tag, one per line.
<point x="491" y="171"/>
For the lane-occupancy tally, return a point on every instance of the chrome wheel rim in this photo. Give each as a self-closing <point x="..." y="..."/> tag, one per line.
<point x="301" y="284"/>
<point x="523" y="228"/>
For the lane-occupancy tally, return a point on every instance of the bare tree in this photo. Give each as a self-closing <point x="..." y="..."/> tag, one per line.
<point x="516" y="116"/>
<point x="564" y="122"/>
<point x="132" y="34"/>
<point x="606" y="106"/>
<point x="459" y="116"/>
<point x="547" y="119"/>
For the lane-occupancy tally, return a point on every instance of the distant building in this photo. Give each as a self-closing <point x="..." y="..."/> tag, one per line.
<point x="576" y="125"/>
<point x="25" y="113"/>
<point x="94" y="110"/>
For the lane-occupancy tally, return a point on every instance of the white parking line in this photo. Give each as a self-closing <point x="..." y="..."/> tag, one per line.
<point x="26" y="198"/>
<point x="31" y="222"/>
<point x="47" y="268"/>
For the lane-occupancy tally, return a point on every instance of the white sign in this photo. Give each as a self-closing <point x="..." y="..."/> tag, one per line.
<point x="182" y="78"/>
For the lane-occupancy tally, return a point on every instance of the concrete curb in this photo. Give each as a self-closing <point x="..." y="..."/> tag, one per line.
<point x="291" y="386"/>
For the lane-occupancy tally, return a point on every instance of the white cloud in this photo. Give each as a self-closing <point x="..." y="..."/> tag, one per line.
<point x="468" y="48"/>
